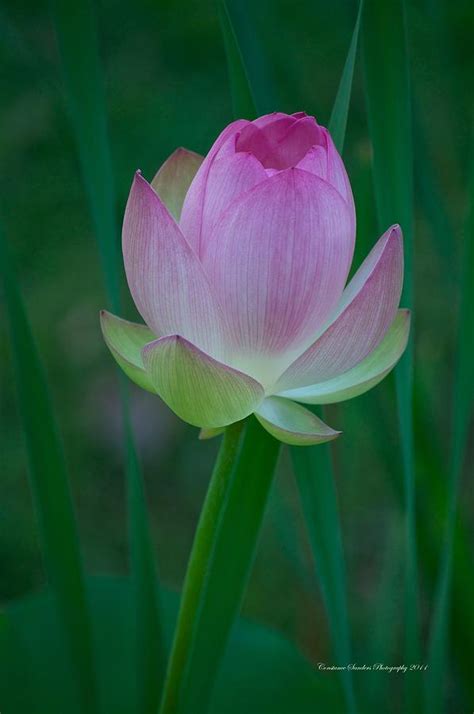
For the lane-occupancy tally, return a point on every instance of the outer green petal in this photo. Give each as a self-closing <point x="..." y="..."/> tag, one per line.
<point x="172" y="181"/>
<point x="363" y="376"/>
<point x="126" y="340"/>
<point x="198" y="388"/>
<point x="205" y="434"/>
<point x="292" y="423"/>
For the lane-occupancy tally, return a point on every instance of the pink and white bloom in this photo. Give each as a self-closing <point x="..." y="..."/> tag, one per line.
<point x="238" y="264"/>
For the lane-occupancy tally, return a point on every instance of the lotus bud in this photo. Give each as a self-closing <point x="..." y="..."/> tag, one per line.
<point x="238" y="265"/>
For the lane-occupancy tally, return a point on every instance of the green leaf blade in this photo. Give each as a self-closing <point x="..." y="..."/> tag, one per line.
<point x="315" y="479"/>
<point x="389" y="112"/>
<point x="463" y="388"/>
<point x="78" y="43"/>
<point x="314" y="470"/>
<point x="50" y="487"/>
<point x="338" y="120"/>
<point x="243" y="102"/>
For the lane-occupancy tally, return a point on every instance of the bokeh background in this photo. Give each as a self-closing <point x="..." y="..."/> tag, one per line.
<point x="166" y="85"/>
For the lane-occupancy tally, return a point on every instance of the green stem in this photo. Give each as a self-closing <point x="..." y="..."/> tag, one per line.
<point x="232" y="557"/>
<point x="198" y="566"/>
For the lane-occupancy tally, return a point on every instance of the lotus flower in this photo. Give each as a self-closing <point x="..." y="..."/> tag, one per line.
<point x="238" y="265"/>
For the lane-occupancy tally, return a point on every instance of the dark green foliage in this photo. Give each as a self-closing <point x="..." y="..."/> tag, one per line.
<point x="390" y="125"/>
<point x="50" y="488"/>
<point x="77" y="38"/>
<point x="36" y="679"/>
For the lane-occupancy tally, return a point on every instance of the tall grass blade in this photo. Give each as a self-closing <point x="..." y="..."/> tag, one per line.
<point x="243" y="102"/>
<point x="383" y="634"/>
<point x="431" y="197"/>
<point x="338" y="121"/>
<point x="315" y="478"/>
<point x="77" y="38"/>
<point x="150" y="643"/>
<point x="246" y="19"/>
<point x="78" y="42"/>
<point x="389" y="112"/>
<point x="50" y="487"/>
<point x="463" y="389"/>
<point x="313" y="465"/>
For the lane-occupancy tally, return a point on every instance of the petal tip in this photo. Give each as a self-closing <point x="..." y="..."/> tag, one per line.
<point x="143" y="190"/>
<point x="406" y="314"/>
<point x="183" y="151"/>
<point x="395" y="231"/>
<point x="105" y="317"/>
<point x="151" y="345"/>
<point x="140" y="182"/>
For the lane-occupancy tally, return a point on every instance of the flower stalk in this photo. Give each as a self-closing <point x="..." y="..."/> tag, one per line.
<point x="219" y="564"/>
<point x="201" y="552"/>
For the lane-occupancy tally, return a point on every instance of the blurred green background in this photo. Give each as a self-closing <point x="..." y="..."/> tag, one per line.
<point x="166" y="85"/>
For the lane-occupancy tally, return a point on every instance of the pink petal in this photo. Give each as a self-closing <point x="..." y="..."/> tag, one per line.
<point x="279" y="143"/>
<point x="279" y="258"/>
<point x="367" y="308"/>
<point x="274" y="126"/>
<point x="297" y="141"/>
<point x="337" y="174"/>
<point x="165" y="277"/>
<point x="364" y="375"/>
<point x="191" y="215"/>
<point x="315" y="161"/>
<point x="323" y="160"/>
<point x="228" y="178"/>
<point x="254" y="140"/>
<point x="280" y="117"/>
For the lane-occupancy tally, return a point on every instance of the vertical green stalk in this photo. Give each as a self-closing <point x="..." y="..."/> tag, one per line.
<point x="198" y="565"/>
<point x="232" y="558"/>
<point x="390" y="124"/>
<point x="243" y="101"/>
<point x="340" y="111"/>
<point x="78" y="42"/>
<point x="219" y="565"/>
<point x="315" y="479"/>
<point x="151" y="648"/>
<point x="50" y="487"/>
<point x="313" y="465"/>
<point x="438" y="651"/>
<point x="382" y="640"/>
<point x="431" y="197"/>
